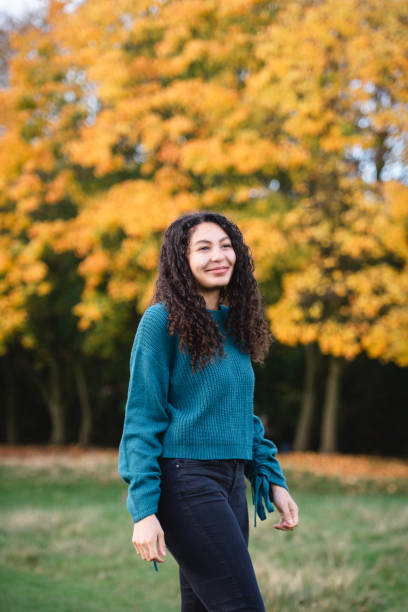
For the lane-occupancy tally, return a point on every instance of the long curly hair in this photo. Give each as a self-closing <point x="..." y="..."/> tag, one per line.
<point x="198" y="332"/>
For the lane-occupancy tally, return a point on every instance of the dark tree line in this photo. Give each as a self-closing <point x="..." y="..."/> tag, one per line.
<point x="91" y="397"/>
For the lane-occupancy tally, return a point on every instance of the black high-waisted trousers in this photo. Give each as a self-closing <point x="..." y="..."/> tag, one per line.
<point x="204" y="514"/>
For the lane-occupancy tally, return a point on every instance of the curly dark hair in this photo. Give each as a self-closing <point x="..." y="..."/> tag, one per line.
<point x="198" y="332"/>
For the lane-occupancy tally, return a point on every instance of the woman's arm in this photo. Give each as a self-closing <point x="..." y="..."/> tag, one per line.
<point x="146" y="419"/>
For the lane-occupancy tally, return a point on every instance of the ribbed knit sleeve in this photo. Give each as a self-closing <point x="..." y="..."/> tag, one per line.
<point x="263" y="470"/>
<point x="146" y="417"/>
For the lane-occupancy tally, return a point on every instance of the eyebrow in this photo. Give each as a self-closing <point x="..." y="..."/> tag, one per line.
<point x="209" y="241"/>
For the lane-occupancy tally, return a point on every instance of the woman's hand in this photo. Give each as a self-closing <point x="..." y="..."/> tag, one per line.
<point x="148" y="539"/>
<point x="286" y="506"/>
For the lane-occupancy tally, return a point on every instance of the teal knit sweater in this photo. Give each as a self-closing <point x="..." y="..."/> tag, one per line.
<point x="172" y="412"/>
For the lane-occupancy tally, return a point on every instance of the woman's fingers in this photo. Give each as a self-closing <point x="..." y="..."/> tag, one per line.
<point x="281" y="527"/>
<point x="286" y="517"/>
<point x="153" y="553"/>
<point x="284" y="525"/>
<point x="148" y="551"/>
<point x="294" y="511"/>
<point x="287" y="508"/>
<point x="148" y="539"/>
<point x="144" y="551"/>
<point x="136" y="546"/>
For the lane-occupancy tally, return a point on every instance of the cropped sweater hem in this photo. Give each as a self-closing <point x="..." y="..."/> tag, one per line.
<point x="230" y="451"/>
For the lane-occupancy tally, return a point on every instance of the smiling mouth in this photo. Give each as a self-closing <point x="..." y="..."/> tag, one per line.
<point x="224" y="269"/>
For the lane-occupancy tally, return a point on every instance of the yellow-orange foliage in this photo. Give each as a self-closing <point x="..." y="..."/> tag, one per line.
<point x="123" y="114"/>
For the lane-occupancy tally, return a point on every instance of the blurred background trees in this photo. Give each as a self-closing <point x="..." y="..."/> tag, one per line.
<point x="290" y="118"/>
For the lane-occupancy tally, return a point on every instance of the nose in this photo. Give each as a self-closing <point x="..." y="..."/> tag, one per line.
<point x="217" y="254"/>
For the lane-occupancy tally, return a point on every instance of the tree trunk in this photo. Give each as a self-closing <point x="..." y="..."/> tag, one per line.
<point x="328" y="434"/>
<point x="304" y="426"/>
<point x="11" y="420"/>
<point x="56" y="407"/>
<point x="51" y="394"/>
<point x="85" y="428"/>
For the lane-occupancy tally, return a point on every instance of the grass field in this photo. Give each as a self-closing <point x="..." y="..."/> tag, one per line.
<point x="65" y="543"/>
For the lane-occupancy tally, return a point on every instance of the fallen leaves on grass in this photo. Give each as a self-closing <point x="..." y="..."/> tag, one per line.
<point x="345" y="467"/>
<point x="355" y="472"/>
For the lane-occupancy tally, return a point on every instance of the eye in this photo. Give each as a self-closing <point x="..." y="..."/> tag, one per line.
<point x="203" y="248"/>
<point x="228" y="246"/>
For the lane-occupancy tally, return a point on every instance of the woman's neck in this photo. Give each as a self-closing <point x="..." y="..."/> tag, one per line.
<point x="212" y="299"/>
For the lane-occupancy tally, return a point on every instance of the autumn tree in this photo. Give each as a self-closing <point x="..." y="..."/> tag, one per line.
<point x="349" y="281"/>
<point x="120" y="115"/>
<point x="39" y="195"/>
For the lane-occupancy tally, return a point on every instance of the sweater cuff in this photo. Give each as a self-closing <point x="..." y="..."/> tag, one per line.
<point x="261" y="477"/>
<point x="138" y="513"/>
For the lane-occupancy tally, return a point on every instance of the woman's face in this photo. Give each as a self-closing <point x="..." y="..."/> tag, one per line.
<point x="211" y="256"/>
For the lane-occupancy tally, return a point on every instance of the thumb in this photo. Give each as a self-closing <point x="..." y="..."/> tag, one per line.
<point x="161" y="544"/>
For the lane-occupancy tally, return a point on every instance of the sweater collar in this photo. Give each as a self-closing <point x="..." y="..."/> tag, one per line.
<point x="218" y="313"/>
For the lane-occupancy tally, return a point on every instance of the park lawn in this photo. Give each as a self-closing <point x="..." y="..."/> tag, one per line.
<point x="65" y="546"/>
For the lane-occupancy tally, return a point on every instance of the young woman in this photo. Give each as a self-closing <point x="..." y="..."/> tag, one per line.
<point x="190" y="434"/>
